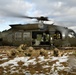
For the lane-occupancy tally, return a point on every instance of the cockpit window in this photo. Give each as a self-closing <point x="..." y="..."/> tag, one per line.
<point x="71" y="34"/>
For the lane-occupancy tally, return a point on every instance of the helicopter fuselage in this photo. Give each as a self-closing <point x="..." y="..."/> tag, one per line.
<point x="38" y="35"/>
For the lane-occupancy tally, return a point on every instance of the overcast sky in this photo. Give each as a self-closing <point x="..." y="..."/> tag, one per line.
<point x="62" y="12"/>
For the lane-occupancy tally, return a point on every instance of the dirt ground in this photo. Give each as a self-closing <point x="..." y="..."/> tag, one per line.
<point x="30" y="61"/>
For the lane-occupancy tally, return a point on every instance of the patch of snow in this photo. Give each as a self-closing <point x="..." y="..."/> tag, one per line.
<point x="31" y="61"/>
<point x="58" y="64"/>
<point x="9" y="62"/>
<point x="46" y="66"/>
<point x="55" y="58"/>
<point x="16" y="71"/>
<point x="63" y="59"/>
<point x="15" y="61"/>
<point x="60" y="59"/>
<point x="13" y="68"/>
<point x="23" y="59"/>
<point x="26" y="64"/>
<point x="65" y="54"/>
<point x="41" y="74"/>
<point x="60" y="68"/>
<point x="55" y="67"/>
<point x="3" y="59"/>
<point x="70" y="52"/>
<point x="55" y="73"/>
<point x="5" y="71"/>
<point x="49" y="52"/>
<point x="41" y="58"/>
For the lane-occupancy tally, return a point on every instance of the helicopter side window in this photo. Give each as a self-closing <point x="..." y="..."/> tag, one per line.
<point x="18" y="36"/>
<point x="57" y="35"/>
<point x="26" y="35"/>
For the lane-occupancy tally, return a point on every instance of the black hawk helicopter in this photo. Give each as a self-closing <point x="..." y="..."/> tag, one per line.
<point x="38" y="34"/>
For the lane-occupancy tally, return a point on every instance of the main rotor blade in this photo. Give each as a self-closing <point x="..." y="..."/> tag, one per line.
<point x="9" y="13"/>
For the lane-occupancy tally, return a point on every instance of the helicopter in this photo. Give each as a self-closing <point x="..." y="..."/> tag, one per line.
<point x="38" y="34"/>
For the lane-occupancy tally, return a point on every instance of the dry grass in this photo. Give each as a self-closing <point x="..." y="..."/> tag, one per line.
<point x="11" y="53"/>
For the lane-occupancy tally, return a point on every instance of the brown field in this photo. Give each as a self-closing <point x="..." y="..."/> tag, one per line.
<point x="30" y="61"/>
